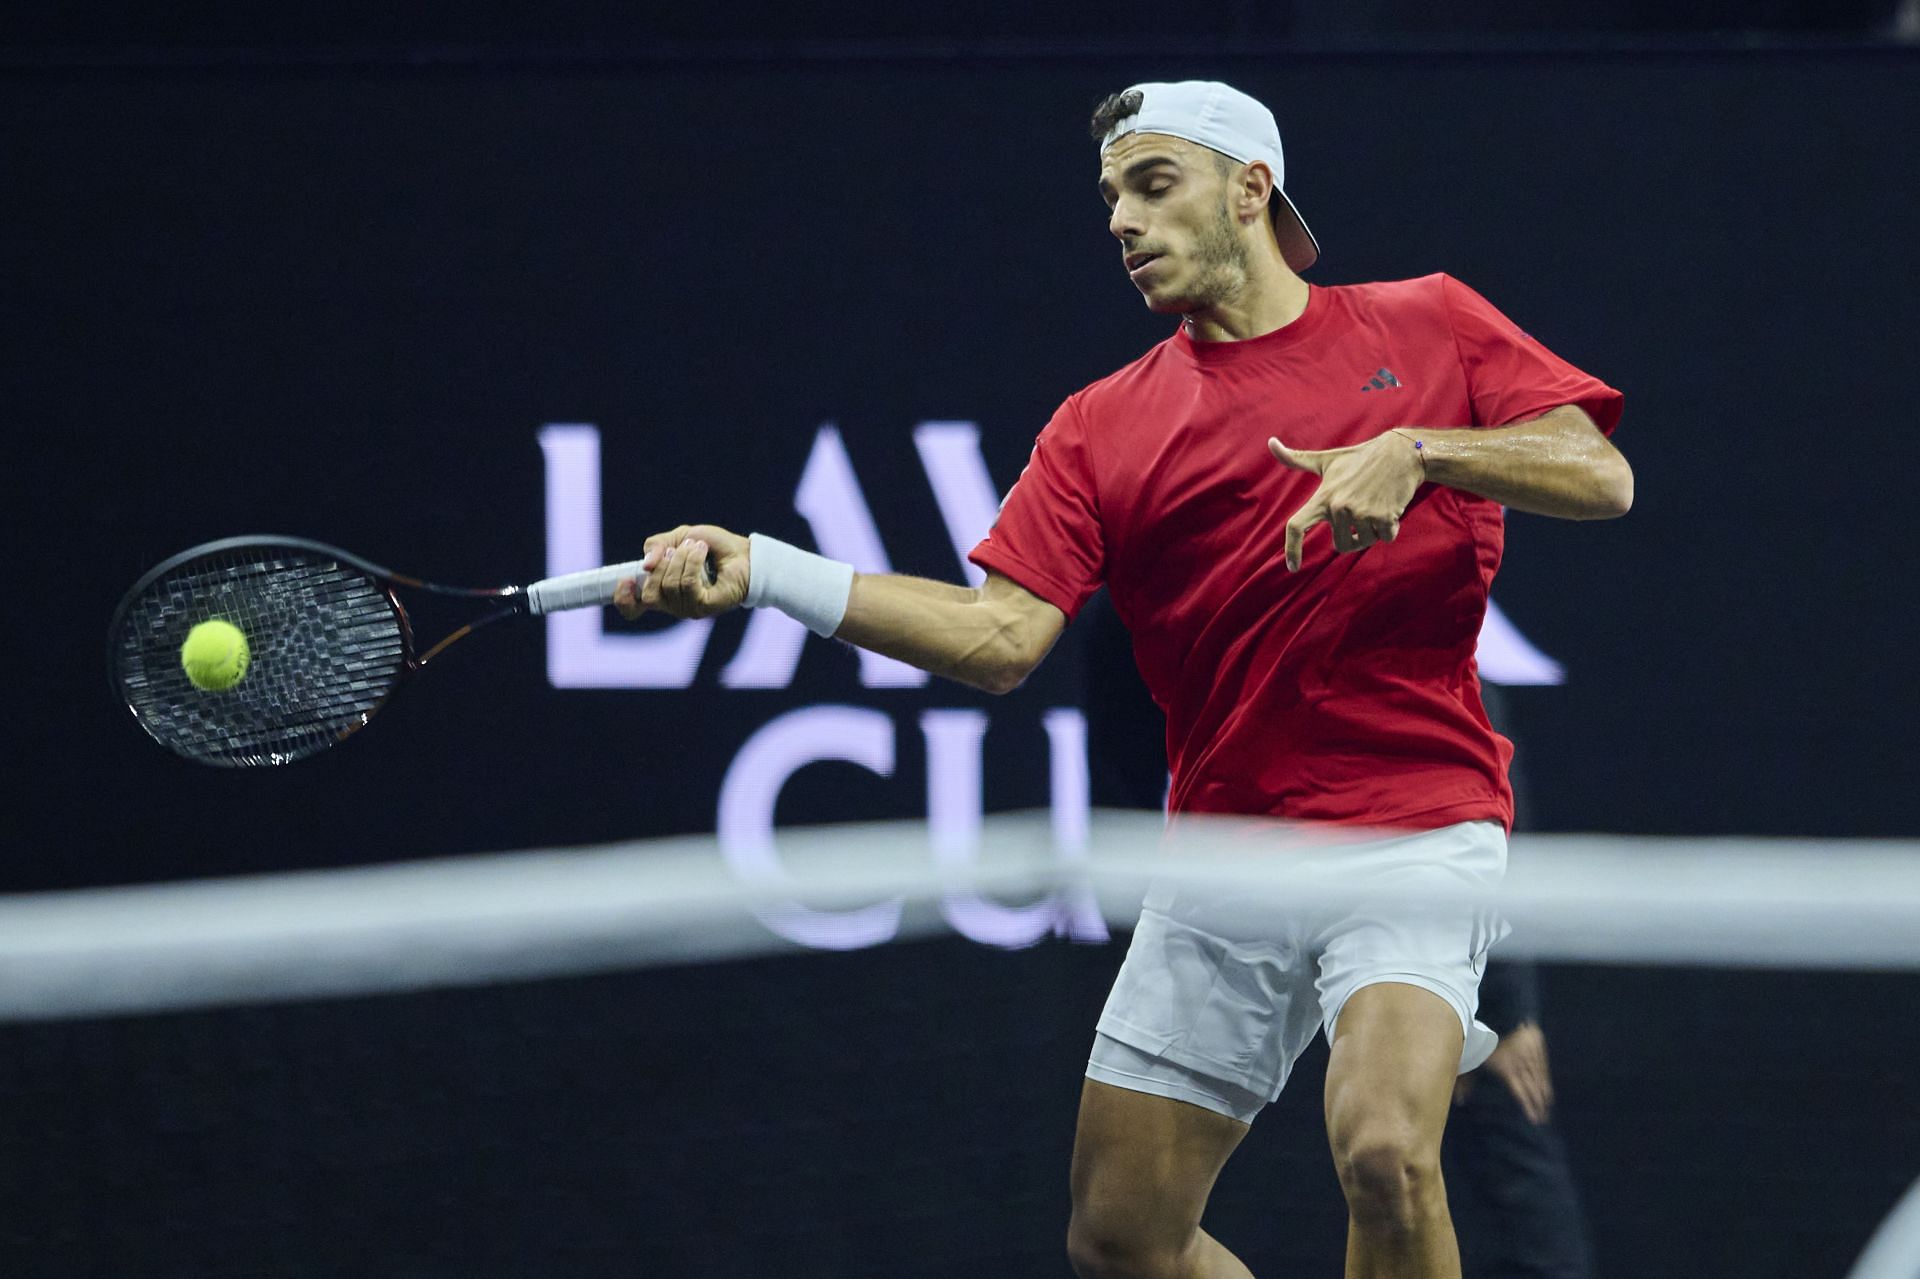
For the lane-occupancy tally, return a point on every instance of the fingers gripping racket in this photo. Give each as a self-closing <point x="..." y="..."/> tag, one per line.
<point x="328" y="636"/>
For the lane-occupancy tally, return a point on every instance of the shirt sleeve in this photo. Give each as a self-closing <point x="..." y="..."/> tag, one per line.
<point x="1511" y="377"/>
<point x="1048" y="536"/>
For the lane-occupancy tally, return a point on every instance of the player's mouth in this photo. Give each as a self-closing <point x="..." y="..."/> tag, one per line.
<point x="1139" y="265"/>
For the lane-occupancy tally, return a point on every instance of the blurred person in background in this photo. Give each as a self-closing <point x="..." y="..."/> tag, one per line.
<point x="1508" y="1175"/>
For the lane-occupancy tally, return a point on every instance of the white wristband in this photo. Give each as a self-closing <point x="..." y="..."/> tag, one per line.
<point x="809" y="588"/>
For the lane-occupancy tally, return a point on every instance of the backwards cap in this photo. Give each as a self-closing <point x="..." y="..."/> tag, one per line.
<point x="1223" y="119"/>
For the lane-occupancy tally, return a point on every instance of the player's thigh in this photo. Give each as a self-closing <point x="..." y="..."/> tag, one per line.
<point x="1143" y="1165"/>
<point x="1390" y="1075"/>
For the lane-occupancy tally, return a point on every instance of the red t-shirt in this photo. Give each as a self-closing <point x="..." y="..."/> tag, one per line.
<point x="1346" y="691"/>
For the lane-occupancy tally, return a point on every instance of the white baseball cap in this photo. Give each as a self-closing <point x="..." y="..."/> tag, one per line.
<point x="1223" y="119"/>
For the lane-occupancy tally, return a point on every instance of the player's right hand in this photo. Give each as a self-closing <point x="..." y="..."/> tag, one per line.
<point x="695" y="570"/>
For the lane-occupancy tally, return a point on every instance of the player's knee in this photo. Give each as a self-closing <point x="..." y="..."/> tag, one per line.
<point x="1391" y="1180"/>
<point x="1109" y="1246"/>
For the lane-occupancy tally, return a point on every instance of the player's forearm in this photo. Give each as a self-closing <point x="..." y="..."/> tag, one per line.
<point x="1558" y="465"/>
<point x="952" y="631"/>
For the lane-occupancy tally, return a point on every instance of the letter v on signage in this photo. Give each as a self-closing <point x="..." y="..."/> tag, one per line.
<point x="829" y="498"/>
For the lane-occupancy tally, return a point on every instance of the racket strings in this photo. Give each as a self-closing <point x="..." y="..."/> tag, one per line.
<point x="326" y="648"/>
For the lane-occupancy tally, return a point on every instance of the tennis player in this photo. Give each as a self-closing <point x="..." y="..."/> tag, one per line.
<point x="1322" y="677"/>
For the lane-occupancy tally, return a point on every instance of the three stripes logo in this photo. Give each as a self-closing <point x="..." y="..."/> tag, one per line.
<point x="1381" y="380"/>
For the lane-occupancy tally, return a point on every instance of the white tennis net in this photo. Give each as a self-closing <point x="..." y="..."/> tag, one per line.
<point x="1726" y="902"/>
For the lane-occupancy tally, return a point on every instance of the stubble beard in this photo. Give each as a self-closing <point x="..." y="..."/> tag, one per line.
<point x="1220" y="264"/>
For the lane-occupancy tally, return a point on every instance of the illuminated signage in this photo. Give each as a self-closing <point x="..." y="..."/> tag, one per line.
<point x="581" y="653"/>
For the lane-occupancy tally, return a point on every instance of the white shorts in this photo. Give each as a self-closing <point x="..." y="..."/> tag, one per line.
<point x="1217" y="1000"/>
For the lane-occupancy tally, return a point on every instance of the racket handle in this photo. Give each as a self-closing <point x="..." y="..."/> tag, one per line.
<point x="588" y="589"/>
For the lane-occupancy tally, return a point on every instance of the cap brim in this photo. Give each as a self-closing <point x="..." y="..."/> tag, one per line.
<point x="1297" y="246"/>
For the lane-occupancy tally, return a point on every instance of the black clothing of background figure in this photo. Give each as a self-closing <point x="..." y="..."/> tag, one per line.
<point x="1506" y="1166"/>
<point x="1515" y="1207"/>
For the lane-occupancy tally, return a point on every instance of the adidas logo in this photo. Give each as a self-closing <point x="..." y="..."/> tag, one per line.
<point x="1381" y="380"/>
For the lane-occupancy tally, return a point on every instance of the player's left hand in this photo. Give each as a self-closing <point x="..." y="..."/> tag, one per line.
<point x="1364" y="490"/>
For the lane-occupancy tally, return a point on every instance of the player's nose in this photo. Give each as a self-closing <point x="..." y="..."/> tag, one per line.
<point x="1124" y="223"/>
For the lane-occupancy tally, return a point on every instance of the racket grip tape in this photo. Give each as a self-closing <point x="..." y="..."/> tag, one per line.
<point x="590" y="588"/>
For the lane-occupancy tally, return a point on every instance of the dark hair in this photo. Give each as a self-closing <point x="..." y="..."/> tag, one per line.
<point x="1112" y="109"/>
<point x="1116" y="107"/>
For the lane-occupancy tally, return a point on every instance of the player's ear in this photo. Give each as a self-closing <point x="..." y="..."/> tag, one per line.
<point x="1254" y="188"/>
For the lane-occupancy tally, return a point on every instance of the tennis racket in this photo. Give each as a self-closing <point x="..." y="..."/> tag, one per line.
<point x="328" y="634"/>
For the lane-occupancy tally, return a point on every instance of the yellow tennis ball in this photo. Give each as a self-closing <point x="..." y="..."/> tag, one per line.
<point x="215" y="655"/>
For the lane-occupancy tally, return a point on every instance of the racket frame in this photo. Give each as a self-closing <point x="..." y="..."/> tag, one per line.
<point x="586" y="588"/>
<point x="512" y="601"/>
